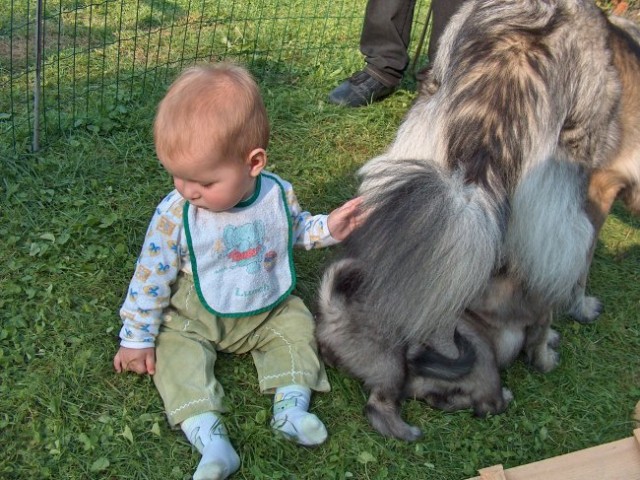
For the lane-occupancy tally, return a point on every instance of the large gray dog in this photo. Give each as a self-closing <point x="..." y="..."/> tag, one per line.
<point x="485" y="210"/>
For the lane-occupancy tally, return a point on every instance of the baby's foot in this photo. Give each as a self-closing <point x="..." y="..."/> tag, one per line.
<point x="207" y="433"/>
<point x="219" y="460"/>
<point x="300" y="426"/>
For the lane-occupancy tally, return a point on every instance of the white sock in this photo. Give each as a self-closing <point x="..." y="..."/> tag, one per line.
<point x="207" y="433"/>
<point x="291" y="418"/>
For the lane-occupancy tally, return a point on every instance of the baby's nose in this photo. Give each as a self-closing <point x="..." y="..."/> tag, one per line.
<point x="191" y="190"/>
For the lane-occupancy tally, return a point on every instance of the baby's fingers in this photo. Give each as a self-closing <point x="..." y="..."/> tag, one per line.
<point x="117" y="364"/>
<point x="150" y="364"/>
<point x="138" y="366"/>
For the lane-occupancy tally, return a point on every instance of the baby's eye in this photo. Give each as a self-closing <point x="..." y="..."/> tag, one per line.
<point x="206" y="185"/>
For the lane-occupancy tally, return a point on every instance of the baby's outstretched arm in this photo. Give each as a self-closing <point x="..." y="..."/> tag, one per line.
<point x="345" y="219"/>
<point x="138" y="360"/>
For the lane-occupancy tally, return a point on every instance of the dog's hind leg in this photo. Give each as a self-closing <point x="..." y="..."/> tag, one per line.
<point x="383" y="412"/>
<point x="540" y="344"/>
<point x="483" y="401"/>
<point x="386" y="376"/>
<point x="477" y="386"/>
<point x="585" y="308"/>
<point x="619" y="176"/>
<point x="481" y="391"/>
<point x="604" y="187"/>
<point x="349" y="339"/>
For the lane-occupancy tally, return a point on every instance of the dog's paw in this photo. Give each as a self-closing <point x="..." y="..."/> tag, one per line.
<point x="387" y="422"/>
<point x="413" y="434"/>
<point x="507" y="395"/>
<point x="401" y="431"/>
<point x="494" y="405"/>
<point x="543" y="355"/>
<point x="586" y="309"/>
<point x="545" y="358"/>
<point x="553" y="338"/>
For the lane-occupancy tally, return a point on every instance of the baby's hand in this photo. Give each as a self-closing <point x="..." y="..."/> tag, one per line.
<point x="138" y="360"/>
<point x="345" y="219"/>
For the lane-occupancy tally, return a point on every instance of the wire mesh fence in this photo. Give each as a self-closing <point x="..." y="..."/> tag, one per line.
<point x="66" y="64"/>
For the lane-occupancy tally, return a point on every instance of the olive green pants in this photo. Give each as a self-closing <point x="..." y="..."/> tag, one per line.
<point x="281" y="342"/>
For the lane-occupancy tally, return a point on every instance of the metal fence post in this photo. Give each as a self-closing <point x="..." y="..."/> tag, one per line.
<point x="37" y="82"/>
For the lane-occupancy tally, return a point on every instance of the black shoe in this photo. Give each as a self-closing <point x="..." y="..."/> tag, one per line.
<point x="361" y="89"/>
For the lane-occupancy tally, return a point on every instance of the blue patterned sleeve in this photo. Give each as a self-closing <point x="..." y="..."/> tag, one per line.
<point x="309" y="231"/>
<point x="156" y="269"/>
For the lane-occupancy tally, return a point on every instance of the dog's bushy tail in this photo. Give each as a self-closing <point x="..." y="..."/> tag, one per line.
<point x="550" y="234"/>
<point x="341" y="300"/>
<point x="339" y="297"/>
<point x="427" y="248"/>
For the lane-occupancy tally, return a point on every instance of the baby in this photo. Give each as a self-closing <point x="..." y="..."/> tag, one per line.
<point x="216" y="270"/>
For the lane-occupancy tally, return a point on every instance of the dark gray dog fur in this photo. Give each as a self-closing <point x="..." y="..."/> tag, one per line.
<point x="485" y="210"/>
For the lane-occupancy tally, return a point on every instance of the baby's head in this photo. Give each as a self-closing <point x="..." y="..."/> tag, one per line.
<point x="211" y="134"/>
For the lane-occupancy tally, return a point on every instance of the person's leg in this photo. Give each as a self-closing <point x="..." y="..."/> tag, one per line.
<point x="284" y="350"/>
<point x="193" y="398"/>
<point x="206" y="432"/>
<point x="442" y="11"/>
<point x="384" y="41"/>
<point x="291" y="417"/>
<point x="288" y="365"/>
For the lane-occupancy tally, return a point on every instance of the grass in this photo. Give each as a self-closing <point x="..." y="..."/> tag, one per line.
<point x="72" y="220"/>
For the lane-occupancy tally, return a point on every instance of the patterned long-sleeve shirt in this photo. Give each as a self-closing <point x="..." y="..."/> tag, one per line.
<point x="165" y="254"/>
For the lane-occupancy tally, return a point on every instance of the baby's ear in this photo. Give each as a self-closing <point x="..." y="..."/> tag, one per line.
<point x="257" y="161"/>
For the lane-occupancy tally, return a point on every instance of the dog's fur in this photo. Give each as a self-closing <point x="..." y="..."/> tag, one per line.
<point x="485" y="210"/>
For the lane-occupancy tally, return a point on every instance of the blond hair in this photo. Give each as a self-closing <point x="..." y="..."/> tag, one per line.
<point x="210" y="108"/>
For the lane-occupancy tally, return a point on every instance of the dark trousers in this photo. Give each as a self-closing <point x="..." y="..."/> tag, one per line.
<point x="386" y="32"/>
<point x="442" y="11"/>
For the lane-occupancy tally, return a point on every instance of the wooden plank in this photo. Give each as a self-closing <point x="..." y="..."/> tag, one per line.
<point x="492" y="473"/>
<point x="619" y="460"/>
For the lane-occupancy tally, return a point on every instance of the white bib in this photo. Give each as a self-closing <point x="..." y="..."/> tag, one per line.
<point x="242" y="259"/>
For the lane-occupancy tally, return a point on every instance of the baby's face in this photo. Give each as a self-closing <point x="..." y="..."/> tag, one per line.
<point x="212" y="183"/>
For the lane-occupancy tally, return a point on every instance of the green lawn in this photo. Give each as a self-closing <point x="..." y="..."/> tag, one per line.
<point x="72" y="220"/>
